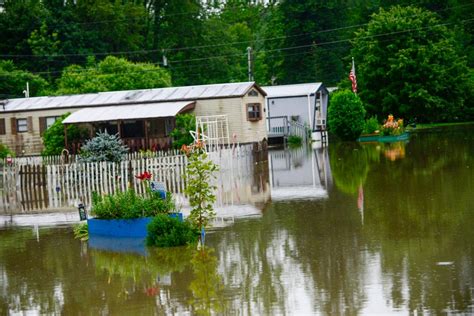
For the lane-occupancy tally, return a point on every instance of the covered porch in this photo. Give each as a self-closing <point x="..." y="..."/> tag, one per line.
<point x="140" y="126"/>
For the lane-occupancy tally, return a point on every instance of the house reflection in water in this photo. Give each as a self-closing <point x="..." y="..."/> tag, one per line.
<point x="301" y="173"/>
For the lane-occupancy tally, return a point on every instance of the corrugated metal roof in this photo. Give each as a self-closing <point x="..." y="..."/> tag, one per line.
<point x="128" y="112"/>
<point x="292" y="90"/>
<point x="130" y="97"/>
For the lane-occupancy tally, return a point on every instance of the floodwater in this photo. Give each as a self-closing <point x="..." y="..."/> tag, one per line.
<point x="351" y="229"/>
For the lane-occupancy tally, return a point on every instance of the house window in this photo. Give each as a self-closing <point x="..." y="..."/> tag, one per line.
<point x="50" y="121"/>
<point x="253" y="93"/>
<point x="254" y="111"/>
<point x="21" y="125"/>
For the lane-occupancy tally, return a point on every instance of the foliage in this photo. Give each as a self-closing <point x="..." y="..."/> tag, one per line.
<point x="346" y="115"/>
<point x="53" y="137"/>
<point x="294" y="140"/>
<point x="81" y="231"/>
<point x="111" y="74"/>
<point x="128" y="204"/>
<point x="207" y="287"/>
<point x="164" y="231"/>
<point x="199" y="188"/>
<point x="349" y="166"/>
<point x="103" y="147"/>
<point x="292" y="41"/>
<point x="13" y="81"/>
<point x="181" y="135"/>
<point x="392" y="127"/>
<point x="418" y="73"/>
<point x="5" y="151"/>
<point x="371" y="125"/>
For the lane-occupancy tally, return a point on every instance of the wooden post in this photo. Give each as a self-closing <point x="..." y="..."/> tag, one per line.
<point x="119" y="128"/>
<point x="145" y="126"/>
<point x="65" y="136"/>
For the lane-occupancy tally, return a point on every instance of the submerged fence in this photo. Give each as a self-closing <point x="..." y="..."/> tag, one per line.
<point x="39" y="186"/>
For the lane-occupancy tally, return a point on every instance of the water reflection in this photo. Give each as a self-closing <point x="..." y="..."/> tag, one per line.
<point x="299" y="173"/>
<point x="411" y="253"/>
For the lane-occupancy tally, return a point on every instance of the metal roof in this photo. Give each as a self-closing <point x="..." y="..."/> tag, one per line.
<point x="128" y="112"/>
<point x="224" y="90"/>
<point x="292" y="90"/>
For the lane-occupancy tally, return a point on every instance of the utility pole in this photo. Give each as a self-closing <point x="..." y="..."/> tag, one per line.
<point x="249" y="59"/>
<point x="27" y="91"/>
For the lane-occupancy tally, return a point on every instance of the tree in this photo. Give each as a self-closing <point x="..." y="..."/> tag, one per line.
<point x="346" y="115"/>
<point x="410" y="65"/>
<point x="53" y="137"/>
<point x="13" y="81"/>
<point x="111" y="74"/>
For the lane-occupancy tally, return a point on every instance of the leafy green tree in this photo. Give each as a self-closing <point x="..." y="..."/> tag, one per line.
<point x="103" y="147"/>
<point x="199" y="189"/>
<point x="410" y="65"/>
<point x="184" y="124"/>
<point x="111" y="74"/>
<point x="346" y="115"/>
<point x="13" y="81"/>
<point x="53" y="137"/>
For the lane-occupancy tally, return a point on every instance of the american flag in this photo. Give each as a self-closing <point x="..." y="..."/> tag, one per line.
<point x="353" y="78"/>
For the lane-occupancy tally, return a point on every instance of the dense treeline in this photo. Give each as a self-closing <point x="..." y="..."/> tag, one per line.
<point x="199" y="42"/>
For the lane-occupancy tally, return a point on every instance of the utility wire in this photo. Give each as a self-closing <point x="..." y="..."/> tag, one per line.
<point x="253" y="41"/>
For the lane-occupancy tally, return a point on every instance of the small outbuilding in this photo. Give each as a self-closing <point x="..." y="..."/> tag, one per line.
<point x="298" y="104"/>
<point x="144" y="118"/>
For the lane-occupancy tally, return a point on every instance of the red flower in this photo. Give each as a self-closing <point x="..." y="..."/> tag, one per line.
<point x="144" y="176"/>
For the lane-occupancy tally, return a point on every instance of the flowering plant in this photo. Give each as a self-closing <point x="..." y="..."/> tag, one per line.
<point x="392" y="127"/>
<point x="145" y="176"/>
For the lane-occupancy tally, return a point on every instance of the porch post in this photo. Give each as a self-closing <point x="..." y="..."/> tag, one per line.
<point x="65" y="136"/>
<point x="145" y="126"/>
<point x="119" y="128"/>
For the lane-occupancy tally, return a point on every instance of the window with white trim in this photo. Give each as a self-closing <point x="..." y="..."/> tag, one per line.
<point x="22" y="125"/>
<point x="50" y="121"/>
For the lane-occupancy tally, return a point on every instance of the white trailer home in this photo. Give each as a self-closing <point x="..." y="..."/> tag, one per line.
<point x="297" y="104"/>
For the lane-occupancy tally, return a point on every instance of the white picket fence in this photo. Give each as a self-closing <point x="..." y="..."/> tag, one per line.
<point x="66" y="185"/>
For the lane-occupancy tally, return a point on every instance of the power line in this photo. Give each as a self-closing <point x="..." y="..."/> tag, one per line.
<point x="315" y="45"/>
<point x="253" y="41"/>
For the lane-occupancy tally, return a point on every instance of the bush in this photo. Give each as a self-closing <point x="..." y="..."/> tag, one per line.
<point x="5" y="151"/>
<point x="371" y="125"/>
<point x="103" y="147"/>
<point x="181" y="135"/>
<point x="128" y="204"/>
<point x="81" y="231"/>
<point x="164" y="231"/>
<point x="53" y="137"/>
<point x="346" y="115"/>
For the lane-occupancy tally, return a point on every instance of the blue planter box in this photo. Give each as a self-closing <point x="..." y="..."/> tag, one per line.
<point x="136" y="227"/>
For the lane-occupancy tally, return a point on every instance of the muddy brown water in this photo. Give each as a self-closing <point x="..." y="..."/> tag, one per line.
<point x="349" y="230"/>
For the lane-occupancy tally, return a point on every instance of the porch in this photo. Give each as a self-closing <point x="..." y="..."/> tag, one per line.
<point x="141" y="127"/>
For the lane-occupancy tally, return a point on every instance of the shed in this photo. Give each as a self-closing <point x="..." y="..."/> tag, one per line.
<point x="143" y="118"/>
<point x="305" y="104"/>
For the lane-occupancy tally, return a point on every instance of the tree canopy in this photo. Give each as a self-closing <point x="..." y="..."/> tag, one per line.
<point x="410" y="65"/>
<point x="111" y="74"/>
<point x="201" y="42"/>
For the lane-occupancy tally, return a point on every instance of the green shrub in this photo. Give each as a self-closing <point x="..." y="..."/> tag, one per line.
<point x="164" y="231"/>
<point x="346" y="115"/>
<point x="103" y="147"/>
<point x="53" y="137"/>
<point x="128" y="205"/>
<point x="5" y="151"/>
<point x="371" y="125"/>
<point x="294" y="140"/>
<point x="181" y="135"/>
